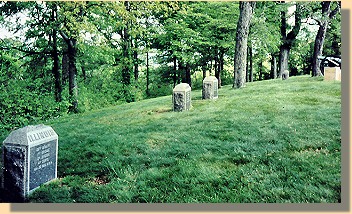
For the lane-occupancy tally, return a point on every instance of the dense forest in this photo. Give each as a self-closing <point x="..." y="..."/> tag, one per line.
<point x="69" y="57"/>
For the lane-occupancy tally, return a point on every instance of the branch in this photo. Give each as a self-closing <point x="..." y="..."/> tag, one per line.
<point x="335" y="11"/>
<point x="29" y="52"/>
<point x="64" y="36"/>
<point x="298" y="19"/>
<point x="317" y="20"/>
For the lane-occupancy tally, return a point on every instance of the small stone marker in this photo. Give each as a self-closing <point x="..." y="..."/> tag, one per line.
<point x="332" y="73"/>
<point x="181" y="97"/>
<point x="29" y="158"/>
<point x="210" y="88"/>
<point x="285" y="74"/>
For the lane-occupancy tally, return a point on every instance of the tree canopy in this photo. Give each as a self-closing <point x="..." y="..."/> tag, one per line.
<point x="68" y="57"/>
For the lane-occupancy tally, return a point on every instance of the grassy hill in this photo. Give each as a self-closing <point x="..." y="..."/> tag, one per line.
<point x="271" y="141"/>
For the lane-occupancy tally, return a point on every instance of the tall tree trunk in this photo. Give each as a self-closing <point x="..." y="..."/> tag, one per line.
<point x="288" y="39"/>
<point x="260" y="70"/>
<point x="211" y="67"/>
<point x="240" y="59"/>
<point x="126" y="49"/>
<point x="72" y="76"/>
<point x="216" y="63"/>
<point x="204" y="70"/>
<point x="135" y="60"/>
<point x="283" y="58"/>
<point x="55" y="56"/>
<point x="247" y="65"/>
<point x="251" y="63"/>
<point x="72" y="72"/>
<point x="221" y="67"/>
<point x="218" y="69"/>
<point x="188" y="75"/>
<point x="273" y="66"/>
<point x="320" y="37"/>
<point x="64" y="65"/>
<point x="181" y="73"/>
<point x="147" y="90"/>
<point x="175" y="70"/>
<point x="55" y="69"/>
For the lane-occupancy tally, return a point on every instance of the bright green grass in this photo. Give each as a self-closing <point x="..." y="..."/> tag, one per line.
<point x="271" y="141"/>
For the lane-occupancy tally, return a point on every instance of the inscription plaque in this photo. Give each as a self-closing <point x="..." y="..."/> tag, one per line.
<point x="42" y="164"/>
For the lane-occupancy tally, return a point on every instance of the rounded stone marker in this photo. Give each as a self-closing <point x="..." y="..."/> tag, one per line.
<point x="181" y="97"/>
<point x="210" y="88"/>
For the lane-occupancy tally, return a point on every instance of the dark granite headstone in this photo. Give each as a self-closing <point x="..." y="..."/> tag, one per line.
<point x="181" y="97"/>
<point x="29" y="159"/>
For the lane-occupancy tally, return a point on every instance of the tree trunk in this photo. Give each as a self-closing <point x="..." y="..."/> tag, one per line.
<point x="188" y="75"/>
<point x="216" y="64"/>
<point x="126" y="49"/>
<point x="273" y="66"/>
<point x="288" y="39"/>
<point x="247" y="65"/>
<point x="260" y="70"/>
<point x="175" y="71"/>
<point x="135" y="60"/>
<point x="55" y="69"/>
<point x="283" y="59"/>
<point x="181" y="73"/>
<point x="319" y="39"/>
<point x="221" y="67"/>
<point x="240" y="59"/>
<point x="72" y="74"/>
<point x="251" y="63"/>
<point x="64" y="68"/>
<point x="211" y="67"/>
<point x="72" y="71"/>
<point x="204" y="70"/>
<point x="147" y="90"/>
<point x="55" y="56"/>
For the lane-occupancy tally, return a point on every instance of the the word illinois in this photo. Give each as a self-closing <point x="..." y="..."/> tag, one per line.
<point x="40" y="135"/>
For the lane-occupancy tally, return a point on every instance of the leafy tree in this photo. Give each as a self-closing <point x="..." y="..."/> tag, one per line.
<point x="288" y="38"/>
<point x="326" y="15"/>
<point x="263" y="37"/>
<point x="218" y="33"/>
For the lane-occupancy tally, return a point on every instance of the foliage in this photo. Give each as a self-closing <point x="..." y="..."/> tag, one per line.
<point x="189" y="38"/>
<point x="21" y="106"/>
<point x="24" y="100"/>
<point x="332" y="44"/>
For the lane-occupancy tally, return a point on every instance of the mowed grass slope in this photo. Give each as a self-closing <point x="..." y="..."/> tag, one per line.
<point x="271" y="141"/>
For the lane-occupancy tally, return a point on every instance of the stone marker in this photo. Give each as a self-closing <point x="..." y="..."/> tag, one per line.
<point x="181" y="97"/>
<point x="29" y="159"/>
<point x="285" y="74"/>
<point x="210" y="88"/>
<point x="332" y="73"/>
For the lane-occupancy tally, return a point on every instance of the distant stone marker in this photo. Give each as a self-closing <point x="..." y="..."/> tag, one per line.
<point x="181" y="97"/>
<point x="29" y="158"/>
<point x="210" y="88"/>
<point x="332" y="73"/>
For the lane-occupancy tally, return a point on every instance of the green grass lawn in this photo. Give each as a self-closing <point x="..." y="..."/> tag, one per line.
<point x="272" y="141"/>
